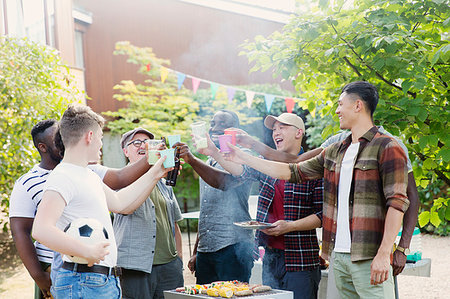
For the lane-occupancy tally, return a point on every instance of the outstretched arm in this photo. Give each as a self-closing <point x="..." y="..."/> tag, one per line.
<point x="128" y="199"/>
<point x="273" y="169"/>
<point x="214" y="177"/>
<point x="118" y="178"/>
<point x="269" y="153"/>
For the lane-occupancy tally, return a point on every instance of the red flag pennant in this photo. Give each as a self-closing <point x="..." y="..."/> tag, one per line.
<point x="289" y="104"/>
<point x="148" y="67"/>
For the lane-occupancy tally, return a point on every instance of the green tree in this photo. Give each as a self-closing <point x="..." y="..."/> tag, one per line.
<point x="401" y="46"/>
<point x="157" y="106"/>
<point x="34" y="85"/>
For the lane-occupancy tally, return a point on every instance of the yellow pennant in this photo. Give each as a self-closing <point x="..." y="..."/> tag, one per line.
<point x="164" y="72"/>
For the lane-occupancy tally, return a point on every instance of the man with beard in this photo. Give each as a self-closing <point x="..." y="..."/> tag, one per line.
<point x="222" y="251"/>
<point x="27" y="194"/>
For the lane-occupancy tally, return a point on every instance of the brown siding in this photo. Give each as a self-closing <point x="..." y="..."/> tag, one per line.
<point x="64" y="31"/>
<point x="199" y="41"/>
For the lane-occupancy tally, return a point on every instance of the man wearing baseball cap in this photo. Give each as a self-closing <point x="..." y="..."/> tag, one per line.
<point x="128" y="136"/>
<point x="149" y="239"/>
<point x="291" y="260"/>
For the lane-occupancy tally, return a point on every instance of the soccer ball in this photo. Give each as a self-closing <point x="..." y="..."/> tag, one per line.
<point x="88" y="231"/>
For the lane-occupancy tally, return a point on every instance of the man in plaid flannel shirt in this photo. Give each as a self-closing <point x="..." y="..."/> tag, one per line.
<point x="365" y="181"/>
<point x="291" y="260"/>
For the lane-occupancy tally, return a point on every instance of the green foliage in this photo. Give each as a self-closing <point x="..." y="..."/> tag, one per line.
<point x="435" y="214"/>
<point x="401" y="46"/>
<point x="34" y="85"/>
<point x="317" y="129"/>
<point x="156" y="106"/>
<point x="438" y="216"/>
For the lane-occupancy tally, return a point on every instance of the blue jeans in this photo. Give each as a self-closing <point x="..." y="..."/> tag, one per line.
<point x="304" y="284"/>
<point x="234" y="262"/>
<point x="69" y="284"/>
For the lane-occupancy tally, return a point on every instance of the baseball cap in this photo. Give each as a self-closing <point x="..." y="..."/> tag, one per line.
<point x="126" y="137"/>
<point x="285" y="118"/>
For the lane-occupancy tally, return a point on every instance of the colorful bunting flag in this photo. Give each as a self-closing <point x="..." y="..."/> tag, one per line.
<point x="180" y="78"/>
<point x="290" y="103"/>
<point x="195" y="84"/>
<point x="214" y="87"/>
<point x="164" y="72"/>
<point x="250" y="95"/>
<point x="230" y="92"/>
<point x="268" y="98"/>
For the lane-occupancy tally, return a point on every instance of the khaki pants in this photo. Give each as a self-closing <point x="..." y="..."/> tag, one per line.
<point x="353" y="279"/>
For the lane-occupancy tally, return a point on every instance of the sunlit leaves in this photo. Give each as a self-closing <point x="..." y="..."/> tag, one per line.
<point x="34" y="85"/>
<point x="400" y="46"/>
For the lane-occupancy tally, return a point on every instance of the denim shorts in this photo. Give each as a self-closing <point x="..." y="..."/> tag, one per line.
<point x="69" y="284"/>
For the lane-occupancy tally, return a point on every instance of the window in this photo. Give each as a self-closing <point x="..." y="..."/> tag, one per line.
<point x="28" y="18"/>
<point x="79" y="53"/>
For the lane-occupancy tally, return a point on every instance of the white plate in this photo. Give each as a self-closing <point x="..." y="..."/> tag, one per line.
<point x="259" y="225"/>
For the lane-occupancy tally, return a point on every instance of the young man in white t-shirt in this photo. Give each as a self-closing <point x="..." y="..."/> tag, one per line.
<point x="73" y="191"/>
<point x="27" y="194"/>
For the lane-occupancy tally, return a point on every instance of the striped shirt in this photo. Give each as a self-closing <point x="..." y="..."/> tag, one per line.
<point x="27" y="195"/>
<point x="25" y="199"/>
<point x="379" y="181"/>
<point x="300" y="200"/>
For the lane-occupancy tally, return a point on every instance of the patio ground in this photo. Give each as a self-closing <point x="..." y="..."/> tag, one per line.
<point x="15" y="281"/>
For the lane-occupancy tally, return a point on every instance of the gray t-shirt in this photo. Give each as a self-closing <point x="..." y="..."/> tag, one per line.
<point x="218" y="210"/>
<point x="341" y="136"/>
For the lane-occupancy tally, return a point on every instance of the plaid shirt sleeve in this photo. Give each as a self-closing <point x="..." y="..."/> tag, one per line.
<point x="394" y="176"/>
<point x="317" y="197"/>
<point x="307" y="170"/>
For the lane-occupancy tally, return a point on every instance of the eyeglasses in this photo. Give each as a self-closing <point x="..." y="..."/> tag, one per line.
<point x="137" y="142"/>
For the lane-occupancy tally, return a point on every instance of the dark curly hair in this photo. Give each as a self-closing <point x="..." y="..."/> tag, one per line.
<point x="39" y="128"/>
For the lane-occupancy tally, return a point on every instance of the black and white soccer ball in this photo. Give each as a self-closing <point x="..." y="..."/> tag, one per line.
<point x="88" y="231"/>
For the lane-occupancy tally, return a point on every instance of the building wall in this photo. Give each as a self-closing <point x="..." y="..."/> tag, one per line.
<point x="199" y="41"/>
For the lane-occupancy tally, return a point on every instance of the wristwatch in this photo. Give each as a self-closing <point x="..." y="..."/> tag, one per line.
<point x="405" y="251"/>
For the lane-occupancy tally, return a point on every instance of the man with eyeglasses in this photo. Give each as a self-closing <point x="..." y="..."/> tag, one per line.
<point x="149" y="239"/>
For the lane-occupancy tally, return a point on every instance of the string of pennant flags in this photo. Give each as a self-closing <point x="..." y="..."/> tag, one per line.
<point x="231" y="91"/>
